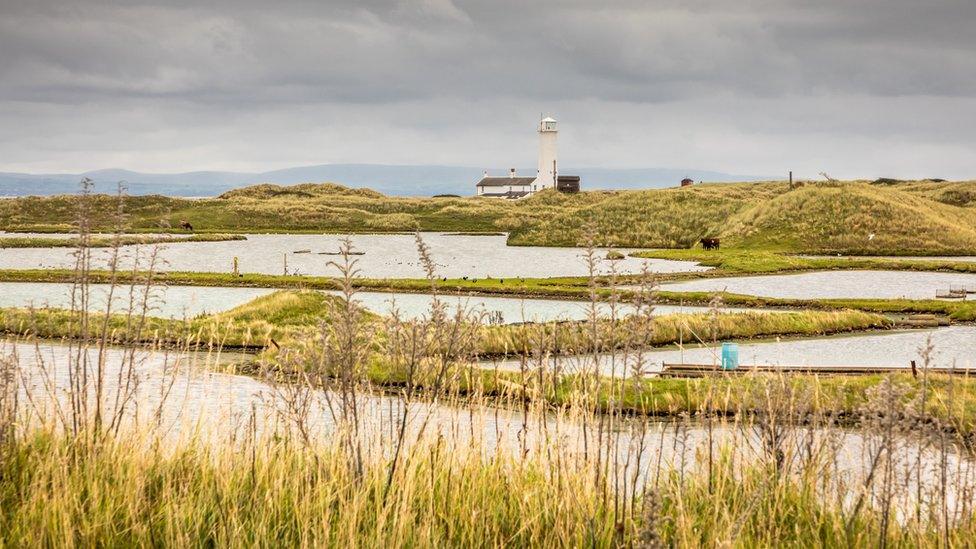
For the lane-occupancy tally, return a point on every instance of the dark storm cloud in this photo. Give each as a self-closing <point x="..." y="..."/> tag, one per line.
<point x="411" y="60"/>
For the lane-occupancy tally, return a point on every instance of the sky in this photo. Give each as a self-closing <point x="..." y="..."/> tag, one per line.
<point x="853" y="88"/>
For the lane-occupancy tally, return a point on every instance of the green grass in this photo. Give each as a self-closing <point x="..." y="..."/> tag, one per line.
<point x="635" y="332"/>
<point x="276" y="316"/>
<point x="906" y="218"/>
<point x="855" y="218"/>
<point x="571" y="288"/>
<point x="103" y="241"/>
<point x="736" y="261"/>
<point x="287" y="315"/>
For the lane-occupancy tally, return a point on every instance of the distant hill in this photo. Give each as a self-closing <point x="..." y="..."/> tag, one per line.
<point x="388" y="179"/>
<point x="857" y="218"/>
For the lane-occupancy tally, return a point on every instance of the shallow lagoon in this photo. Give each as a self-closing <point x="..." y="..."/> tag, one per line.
<point x="385" y="256"/>
<point x="190" y="301"/>
<point x="952" y="346"/>
<point x="164" y="301"/>
<point x="833" y="284"/>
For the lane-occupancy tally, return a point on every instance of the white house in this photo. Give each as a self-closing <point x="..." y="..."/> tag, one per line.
<point x="513" y="186"/>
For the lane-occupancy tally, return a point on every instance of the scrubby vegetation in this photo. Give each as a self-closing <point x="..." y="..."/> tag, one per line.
<point x="864" y="218"/>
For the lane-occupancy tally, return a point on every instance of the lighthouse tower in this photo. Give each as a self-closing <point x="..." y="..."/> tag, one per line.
<point x="546" y="178"/>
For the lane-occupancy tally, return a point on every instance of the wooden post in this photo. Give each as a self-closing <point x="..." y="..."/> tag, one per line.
<point x="284" y="258"/>
<point x="236" y="271"/>
<point x="791" y="179"/>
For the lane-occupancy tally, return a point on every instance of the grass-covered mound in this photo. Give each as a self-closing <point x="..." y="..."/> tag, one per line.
<point x="276" y="316"/>
<point x="854" y="218"/>
<point x="300" y="191"/>
<point x="915" y="217"/>
<point x="661" y="218"/>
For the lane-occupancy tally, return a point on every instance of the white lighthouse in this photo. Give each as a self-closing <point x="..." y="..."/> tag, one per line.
<point x="547" y="174"/>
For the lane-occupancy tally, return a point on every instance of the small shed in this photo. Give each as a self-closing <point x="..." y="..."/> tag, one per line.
<point x="687" y="182"/>
<point x="568" y="184"/>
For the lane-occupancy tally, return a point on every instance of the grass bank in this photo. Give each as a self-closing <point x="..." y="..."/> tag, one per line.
<point x="730" y="262"/>
<point x="949" y="399"/>
<point x="105" y="241"/>
<point x="569" y="288"/>
<point x="255" y="324"/>
<point x="285" y="316"/>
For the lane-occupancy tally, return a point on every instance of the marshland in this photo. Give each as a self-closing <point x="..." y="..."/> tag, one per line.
<point x="148" y="397"/>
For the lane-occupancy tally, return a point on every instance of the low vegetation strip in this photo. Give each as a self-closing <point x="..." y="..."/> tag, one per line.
<point x="106" y="241"/>
<point x="284" y="316"/>
<point x="727" y="262"/>
<point x="635" y="332"/>
<point x="255" y="324"/>
<point x="948" y="398"/>
<point x="570" y="288"/>
<point x="959" y="311"/>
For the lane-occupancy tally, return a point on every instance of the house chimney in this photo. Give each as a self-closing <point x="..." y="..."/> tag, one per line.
<point x="511" y="173"/>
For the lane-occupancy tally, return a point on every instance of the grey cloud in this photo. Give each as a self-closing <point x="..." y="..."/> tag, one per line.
<point x="208" y="84"/>
<point x="387" y="51"/>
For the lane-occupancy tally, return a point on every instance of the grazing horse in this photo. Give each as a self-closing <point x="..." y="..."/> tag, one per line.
<point x="185" y="225"/>
<point x="710" y="243"/>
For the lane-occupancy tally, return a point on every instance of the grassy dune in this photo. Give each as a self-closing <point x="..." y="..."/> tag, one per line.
<point x="920" y="217"/>
<point x="662" y="218"/>
<point x="276" y="316"/>
<point x="856" y="218"/>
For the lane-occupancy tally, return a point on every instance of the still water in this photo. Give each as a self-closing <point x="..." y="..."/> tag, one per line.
<point x="951" y="346"/>
<point x="384" y="256"/>
<point x="163" y="301"/>
<point x="189" y="301"/>
<point x="834" y="284"/>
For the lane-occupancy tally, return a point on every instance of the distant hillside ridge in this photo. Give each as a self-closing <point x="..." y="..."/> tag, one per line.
<point x="393" y="180"/>
<point x="856" y="217"/>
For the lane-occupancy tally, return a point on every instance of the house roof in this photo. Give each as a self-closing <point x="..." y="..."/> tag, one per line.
<point x="505" y="181"/>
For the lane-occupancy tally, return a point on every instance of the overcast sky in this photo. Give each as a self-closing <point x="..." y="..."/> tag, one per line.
<point x="856" y="88"/>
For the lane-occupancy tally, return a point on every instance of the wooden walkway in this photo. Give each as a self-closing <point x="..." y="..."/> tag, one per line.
<point x="703" y="370"/>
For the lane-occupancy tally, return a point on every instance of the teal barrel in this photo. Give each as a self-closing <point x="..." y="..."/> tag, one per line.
<point x="730" y="356"/>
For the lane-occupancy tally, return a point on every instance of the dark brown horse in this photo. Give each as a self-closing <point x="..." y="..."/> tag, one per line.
<point x="710" y="243"/>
